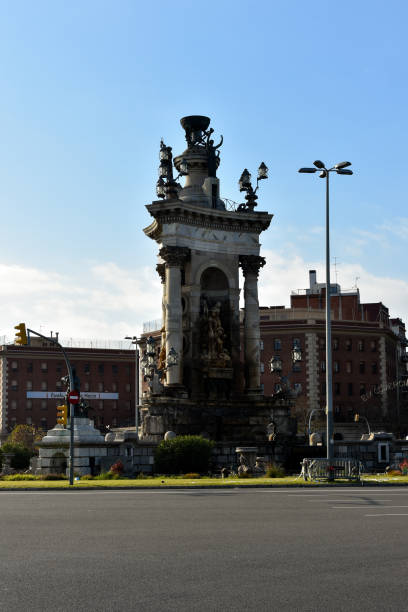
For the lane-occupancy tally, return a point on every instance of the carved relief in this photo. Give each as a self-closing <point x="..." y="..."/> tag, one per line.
<point x="161" y="270"/>
<point x="213" y="350"/>
<point x="251" y="264"/>
<point x="174" y="256"/>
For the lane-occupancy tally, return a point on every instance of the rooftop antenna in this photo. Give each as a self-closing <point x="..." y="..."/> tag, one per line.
<point x="335" y="267"/>
<point x="355" y="281"/>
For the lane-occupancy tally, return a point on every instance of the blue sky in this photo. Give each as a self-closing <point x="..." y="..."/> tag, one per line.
<point x="89" y="88"/>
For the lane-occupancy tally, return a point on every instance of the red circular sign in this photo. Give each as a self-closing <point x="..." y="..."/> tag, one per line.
<point x="73" y="397"/>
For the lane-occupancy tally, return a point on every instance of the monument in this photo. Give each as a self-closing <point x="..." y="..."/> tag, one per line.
<point x="202" y="381"/>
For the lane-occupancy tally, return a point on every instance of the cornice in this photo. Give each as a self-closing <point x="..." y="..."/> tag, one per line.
<point x="176" y="211"/>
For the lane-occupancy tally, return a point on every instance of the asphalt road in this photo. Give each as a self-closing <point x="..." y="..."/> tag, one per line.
<point x="264" y="549"/>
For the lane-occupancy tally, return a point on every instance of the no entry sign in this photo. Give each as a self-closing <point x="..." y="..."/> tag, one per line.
<point x="73" y="397"/>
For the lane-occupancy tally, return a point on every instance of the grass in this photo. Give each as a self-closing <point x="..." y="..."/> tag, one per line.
<point x="164" y="482"/>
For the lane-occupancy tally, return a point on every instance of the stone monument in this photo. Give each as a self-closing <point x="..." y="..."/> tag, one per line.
<point x="214" y="386"/>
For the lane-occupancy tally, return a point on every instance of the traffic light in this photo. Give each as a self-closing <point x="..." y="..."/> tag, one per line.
<point x="62" y="412"/>
<point x="21" y="334"/>
<point x="356" y="418"/>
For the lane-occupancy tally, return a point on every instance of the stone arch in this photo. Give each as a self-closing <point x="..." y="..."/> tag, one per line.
<point x="215" y="264"/>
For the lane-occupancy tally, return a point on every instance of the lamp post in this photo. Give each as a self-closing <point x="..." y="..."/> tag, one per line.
<point x="276" y="366"/>
<point x="246" y="185"/>
<point x="149" y="365"/>
<point x="137" y="361"/>
<point x="324" y="172"/>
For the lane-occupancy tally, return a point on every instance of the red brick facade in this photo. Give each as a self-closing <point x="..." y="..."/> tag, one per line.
<point x="40" y="368"/>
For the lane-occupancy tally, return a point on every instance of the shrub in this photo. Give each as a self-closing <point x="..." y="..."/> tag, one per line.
<point x="274" y="471"/>
<point x="22" y="455"/>
<point x="244" y="475"/>
<point x="53" y="477"/>
<point x="182" y="455"/>
<point x="192" y="475"/>
<point x="87" y="477"/>
<point x="21" y="477"/>
<point x="117" y="468"/>
<point x="404" y="467"/>
<point x="394" y="473"/>
<point x="107" y="476"/>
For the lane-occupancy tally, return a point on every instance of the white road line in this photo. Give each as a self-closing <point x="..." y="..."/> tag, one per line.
<point x="364" y="506"/>
<point x="347" y="500"/>
<point x="386" y="514"/>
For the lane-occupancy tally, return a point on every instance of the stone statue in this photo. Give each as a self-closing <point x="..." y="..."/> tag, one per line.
<point x="214" y="351"/>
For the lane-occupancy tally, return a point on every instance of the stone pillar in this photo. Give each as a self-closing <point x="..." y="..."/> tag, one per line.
<point x="161" y="271"/>
<point x="174" y="258"/>
<point x="250" y="265"/>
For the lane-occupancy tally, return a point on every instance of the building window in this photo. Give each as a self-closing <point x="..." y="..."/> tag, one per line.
<point x="361" y="345"/>
<point x="13" y="404"/>
<point x="362" y="367"/>
<point x="362" y="388"/>
<point x="14" y="365"/>
<point x="100" y="405"/>
<point x="349" y="344"/>
<point x="127" y="387"/>
<point x="114" y="369"/>
<point x="87" y="368"/>
<point x="30" y="366"/>
<point x="29" y="404"/>
<point x="29" y="385"/>
<point x="337" y="388"/>
<point x="86" y="386"/>
<point x="322" y="344"/>
<point x="323" y="366"/>
<point x="43" y="404"/>
<point x="261" y="345"/>
<point x="100" y="387"/>
<point x="262" y="387"/>
<point x="336" y="366"/>
<point x="14" y="385"/>
<point x="58" y="368"/>
<point x="127" y="369"/>
<point x="349" y="367"/>
<point x="337" y="408"/>
<point x="29" y="420"/>
<point x="298" y="387"/>
<point x="277" y="344"/>
<point x="44" y="366"/>
<point x="350" y="388"/>
<point x="296" y="367"/>
<point x="335" y="344"/>
<point x="373" y="345"/>
<point x="44" y="385"/>
<point x="13" y="423"/>
<point x="374" y="367"/>
<point x="44" y="424"/>
<point x="114" y="405"/>
<point x="101" y="368"/>
<point x="296" y="343"/>
<point x="114" y="422"/>
<point x="58" y="385"/>
<point x="115" y="385"/>
<point x="128" y="406"/>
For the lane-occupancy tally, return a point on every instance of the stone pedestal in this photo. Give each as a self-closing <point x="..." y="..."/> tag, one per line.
<point x="89" y="447"/>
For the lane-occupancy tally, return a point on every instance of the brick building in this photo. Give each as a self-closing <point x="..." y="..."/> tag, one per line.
<point x="31" y="387"/>
<point x="369" y="356"/>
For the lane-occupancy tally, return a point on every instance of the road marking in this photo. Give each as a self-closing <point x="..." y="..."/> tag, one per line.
<point x="364" y="506"/>
<point x="386" y="514"/>
<point x="348" y="500"/>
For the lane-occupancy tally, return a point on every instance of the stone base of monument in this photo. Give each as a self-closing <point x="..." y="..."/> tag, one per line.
<point x="89" y="448"/>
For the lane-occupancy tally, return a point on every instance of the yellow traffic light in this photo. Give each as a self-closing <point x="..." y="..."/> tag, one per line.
<point x="356" y="418"/>
<point x="62" y="412"/>
<point x="21" y="334"/>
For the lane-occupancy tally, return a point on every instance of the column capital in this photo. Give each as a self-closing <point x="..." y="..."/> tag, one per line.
<point x="174" y="255"/>
<point x="161" y="271"/>
<point x="251" y="264"/>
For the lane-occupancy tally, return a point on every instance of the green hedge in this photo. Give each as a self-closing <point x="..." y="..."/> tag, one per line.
<point x="22" y="455"/>
<point x="183" y="454"/>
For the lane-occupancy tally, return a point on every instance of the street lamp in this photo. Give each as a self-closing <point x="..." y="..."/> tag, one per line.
<point x="276" y="367"/>
<point x="167" y="186"/>
<point x="340" y="168"/>
<point x="148" y="362"/>
<point x="137" y="361"/>
<point x="246" y="185"/>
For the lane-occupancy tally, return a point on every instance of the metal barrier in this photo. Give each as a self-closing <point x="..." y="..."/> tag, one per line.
<point x="325" y="469"/>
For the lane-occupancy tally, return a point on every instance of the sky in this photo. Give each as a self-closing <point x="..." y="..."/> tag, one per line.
<point x="89" y="88"/>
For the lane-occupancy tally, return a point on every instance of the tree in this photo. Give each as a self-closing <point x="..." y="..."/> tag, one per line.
<point x="26" y="436"/>
<point x="182" y="455"/>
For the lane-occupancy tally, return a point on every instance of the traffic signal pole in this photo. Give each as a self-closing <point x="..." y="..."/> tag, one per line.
<point x="71" y="406"/>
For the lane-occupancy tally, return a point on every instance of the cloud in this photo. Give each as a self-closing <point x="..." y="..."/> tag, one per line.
<point x="105" y="301"/>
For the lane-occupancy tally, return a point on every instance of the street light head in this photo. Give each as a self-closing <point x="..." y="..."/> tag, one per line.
<point x="319" y="164"/>
<point x="323" y="174"/>
<point x="262" y="171"/>
<point x="184" y="167"/>
<point x="307" y="170"/>
<point x="245" y="180"/>
<point x="342" y="165"/>
<point x="340" y="171"/>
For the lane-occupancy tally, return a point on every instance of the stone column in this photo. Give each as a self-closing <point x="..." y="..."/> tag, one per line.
<point x="174" y="258"/>
<point x="161" y="271"/>
<point x="250" y="265"/>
